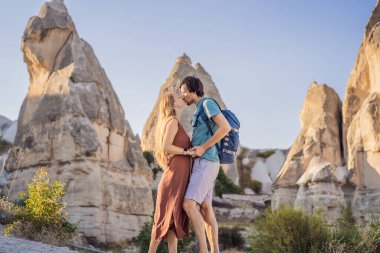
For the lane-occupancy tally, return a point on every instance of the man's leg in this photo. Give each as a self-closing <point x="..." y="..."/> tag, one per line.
<point x="211" y="226"/>
<point x="190" y="207"/>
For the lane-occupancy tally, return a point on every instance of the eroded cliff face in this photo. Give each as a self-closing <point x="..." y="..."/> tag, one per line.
<point x="361" y="122"/>
<point x="349" y="175"/>
<point x="309" y="177"/>
<point x="72" y="123"/>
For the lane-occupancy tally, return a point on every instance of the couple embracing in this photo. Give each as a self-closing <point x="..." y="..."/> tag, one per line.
<point x="185" y="194"/>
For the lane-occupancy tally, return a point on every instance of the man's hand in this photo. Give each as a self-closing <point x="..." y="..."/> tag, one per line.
<point x="199" y="151"/>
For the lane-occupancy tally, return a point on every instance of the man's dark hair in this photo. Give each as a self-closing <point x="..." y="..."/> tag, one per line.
<point x="193" y="84"/>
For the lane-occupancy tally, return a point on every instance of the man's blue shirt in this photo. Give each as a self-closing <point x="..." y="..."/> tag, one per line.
<point x="200" y="131"/>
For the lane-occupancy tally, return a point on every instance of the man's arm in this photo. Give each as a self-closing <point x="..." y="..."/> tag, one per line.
<point x="223" y="129"/>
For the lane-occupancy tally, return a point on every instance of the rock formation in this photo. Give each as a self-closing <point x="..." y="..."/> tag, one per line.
<point x="258" y="165"/>
<point x="72" y="122"/>
<point x="311" y="175"/>
<point x="326" y="175"/>
<point x="182" y="68"/>
<point x="361" y="122"/>
<point x="5" y="123"/>
<point x="240" y="208"/>
<point x="8" y="129"/>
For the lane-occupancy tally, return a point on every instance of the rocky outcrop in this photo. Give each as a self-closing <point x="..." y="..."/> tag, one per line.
<point x="72" y="122"/>
<point x="240" y="208"/>
<point x="182" y="68"/>
<point x="361" y="122"/>
<point x="318" y="172"/>
<point x="8" y="129"/>
<point x="3" y="173"/>
<point x="259" y="165"/>
<point x="313" y="173"/>
<point x="17" y="245"/>
<point x="5" y="123"/>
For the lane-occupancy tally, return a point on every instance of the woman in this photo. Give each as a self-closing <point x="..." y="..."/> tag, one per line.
<point x="172" y="154"/>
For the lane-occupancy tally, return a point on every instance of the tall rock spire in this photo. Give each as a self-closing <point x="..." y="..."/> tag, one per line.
<point x="315" y="157"/>
<point x="72" y="122"/>
<point x="349" y="175"/>
<point x="361" y="118"/>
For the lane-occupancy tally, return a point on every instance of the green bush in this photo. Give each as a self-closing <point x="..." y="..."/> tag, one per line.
<point x="345" y="233"/>
<point x="246" y="181"/>
<point x="225" y="185"/>
<point x="143" y="240"/>
<point x="230" y="238"/>
<point x="266" y="153"/>
<point x="148" y="157"/>
<point x="255" y="185"/>
<point x="150" y="160"/>
<point x="370" y="239"/>
<point x="289" y="231"/>
<point x="156" y="170"/>
<point x="42" y="218"/>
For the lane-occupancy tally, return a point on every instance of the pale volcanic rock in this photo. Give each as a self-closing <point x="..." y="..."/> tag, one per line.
<point x="310" y="166"/>
<point x="72" y="123"/>
<point x="252" y="166"/>
<point x="361" y="122"/>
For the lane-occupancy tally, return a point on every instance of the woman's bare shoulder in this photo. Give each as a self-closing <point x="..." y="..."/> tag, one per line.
<point x="172" y="122"/>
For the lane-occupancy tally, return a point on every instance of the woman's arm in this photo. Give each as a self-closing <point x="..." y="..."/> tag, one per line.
<point x="170" y="132"/>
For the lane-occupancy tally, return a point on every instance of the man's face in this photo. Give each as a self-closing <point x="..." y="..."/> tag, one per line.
<point x="187" y="96"/>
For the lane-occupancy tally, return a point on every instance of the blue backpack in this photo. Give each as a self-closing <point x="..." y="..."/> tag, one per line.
<point x="228" y="145"/>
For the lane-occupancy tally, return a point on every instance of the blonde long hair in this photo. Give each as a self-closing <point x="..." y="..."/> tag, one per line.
<point x="166" y="112"/>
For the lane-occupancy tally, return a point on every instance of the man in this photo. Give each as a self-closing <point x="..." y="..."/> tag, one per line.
<point x="206" y="163"/>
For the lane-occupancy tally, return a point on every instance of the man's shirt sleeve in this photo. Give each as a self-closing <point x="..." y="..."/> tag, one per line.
<point x="211" y="108"/>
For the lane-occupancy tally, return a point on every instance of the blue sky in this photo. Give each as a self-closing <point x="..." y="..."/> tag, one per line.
<point x="261" y="54"/>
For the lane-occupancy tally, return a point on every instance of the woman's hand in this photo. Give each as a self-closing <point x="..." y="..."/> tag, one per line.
<point x="198" y="151"/>
<point x="190" y="152"/>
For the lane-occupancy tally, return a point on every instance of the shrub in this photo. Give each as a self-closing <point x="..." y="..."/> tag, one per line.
<point x="334" y="246"/>
<point x="156" y="170"/>
<point x="345" y="233"/>
<point x="266" y="153"/>
<point x="289" y="231"/>
<point x="151" y="160"/>
<point x="7" y="211"/>
<point x="230" y="238"/>
<point x="254" y="185"/>
<point x="148" y="157"/>
<point x="225" y="185"/>
<point x="143" y="240"/>
<point x="370" y="239"/>
<point x="246" y="181"/>
<point x="42" y="218"/>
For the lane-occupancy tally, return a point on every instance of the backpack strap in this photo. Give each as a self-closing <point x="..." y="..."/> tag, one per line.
<point x="206" y="119"/>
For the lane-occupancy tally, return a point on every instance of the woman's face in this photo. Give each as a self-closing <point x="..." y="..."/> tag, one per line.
<point x="178" y="101"/>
